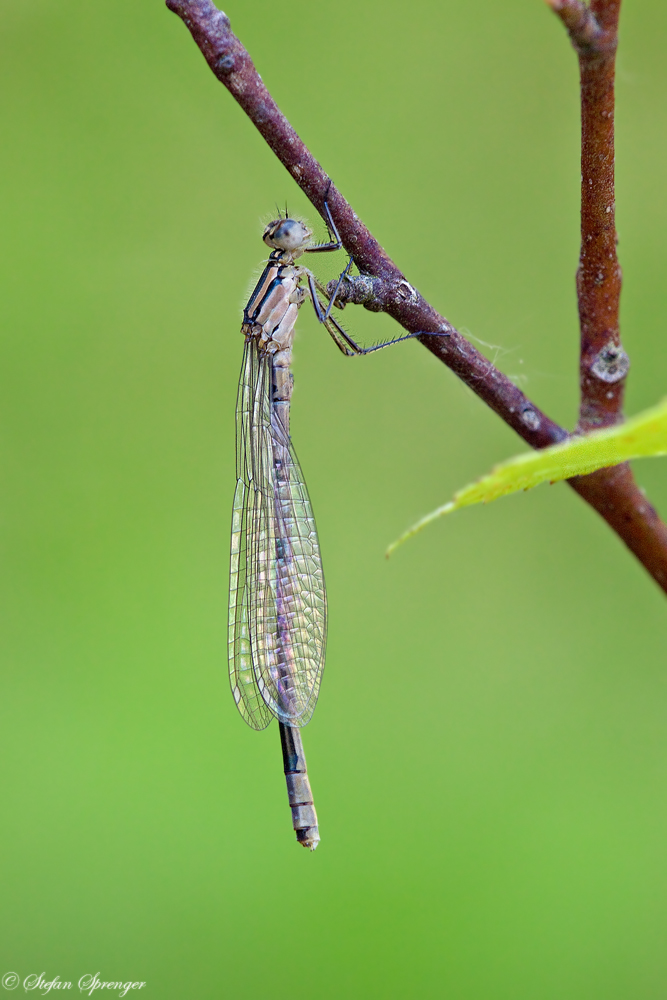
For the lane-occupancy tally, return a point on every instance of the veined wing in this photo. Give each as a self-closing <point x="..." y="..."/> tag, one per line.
<point x="288" y="597"/>
<point x="278" y="597"/>
<point x="241" y="675"/>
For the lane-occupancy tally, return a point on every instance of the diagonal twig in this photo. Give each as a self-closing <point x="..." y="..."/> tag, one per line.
<point x="613" y="495"/>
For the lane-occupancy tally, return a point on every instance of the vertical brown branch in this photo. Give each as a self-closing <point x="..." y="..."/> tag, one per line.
<point x="593" y="31"/>
<point x="603" y="363"/>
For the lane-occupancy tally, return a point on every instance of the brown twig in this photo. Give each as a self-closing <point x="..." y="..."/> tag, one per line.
<point x="580" y="21"/>
<point x="616" y="497"/>
<point x="603" y="363"/>
<point x="391" y="292"/>
<point x="382" y="287"/>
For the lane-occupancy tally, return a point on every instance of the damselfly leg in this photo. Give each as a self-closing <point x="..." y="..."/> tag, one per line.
<point x="343" y="341"/>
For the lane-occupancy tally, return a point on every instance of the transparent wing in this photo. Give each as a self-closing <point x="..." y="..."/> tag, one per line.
<point x="288" y="598"/>
<point x="278" y="598"/>
<point x="241" y="675"/>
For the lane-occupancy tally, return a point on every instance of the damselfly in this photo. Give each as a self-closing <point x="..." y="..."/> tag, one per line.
<point x="277" y="602"/>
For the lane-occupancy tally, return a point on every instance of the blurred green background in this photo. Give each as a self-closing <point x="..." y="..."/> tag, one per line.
<point x="489" y="755"/>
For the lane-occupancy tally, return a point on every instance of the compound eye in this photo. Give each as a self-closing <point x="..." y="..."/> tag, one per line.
<point x="286" y="234"/>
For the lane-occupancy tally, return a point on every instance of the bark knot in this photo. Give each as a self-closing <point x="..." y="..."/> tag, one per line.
<point x="611" y="364"/>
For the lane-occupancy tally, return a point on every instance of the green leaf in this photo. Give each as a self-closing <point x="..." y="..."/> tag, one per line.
<point x="641" y="437"/>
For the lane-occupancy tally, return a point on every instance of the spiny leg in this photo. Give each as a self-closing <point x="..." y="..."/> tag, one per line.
<point x="336" y="331"/>
<point x="334" y="244"/>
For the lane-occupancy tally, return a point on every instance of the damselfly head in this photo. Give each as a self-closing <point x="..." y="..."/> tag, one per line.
<point x="288" y="235"/>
